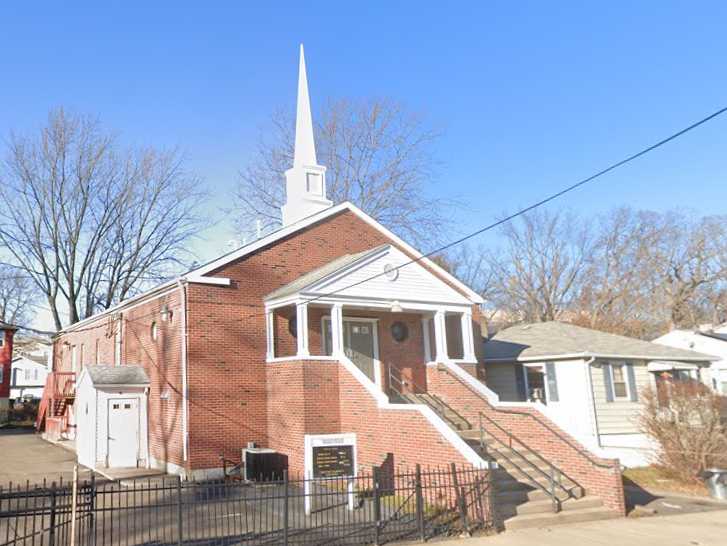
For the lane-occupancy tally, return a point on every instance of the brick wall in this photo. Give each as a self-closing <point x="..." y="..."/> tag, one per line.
<point x="6" y="358"/>
<point x="542" y="435"/>
<point x="322" y="397"/>
<point x="230" y="386"/>
<point x="161" y="358"/>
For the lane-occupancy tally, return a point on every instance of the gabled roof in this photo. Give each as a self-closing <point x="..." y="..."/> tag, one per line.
<point x="37" y="359"/>
<point x="558" y="340"/>
<point x="321" y="273"/>
<point x="714" y="335"/>
<point x="105" y="376"/>
<point x="204" y="270"/>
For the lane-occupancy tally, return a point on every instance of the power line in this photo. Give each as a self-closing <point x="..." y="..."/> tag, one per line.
<point x="535" y="205"/>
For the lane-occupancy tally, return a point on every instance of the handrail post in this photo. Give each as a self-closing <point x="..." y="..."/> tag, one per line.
<point x="553" y="475"/>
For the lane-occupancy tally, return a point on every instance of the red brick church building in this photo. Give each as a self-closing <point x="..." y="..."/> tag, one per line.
<point x="330" y="325"/>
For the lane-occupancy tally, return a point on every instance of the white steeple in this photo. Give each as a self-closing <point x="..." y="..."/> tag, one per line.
<point x="305" y="186"/>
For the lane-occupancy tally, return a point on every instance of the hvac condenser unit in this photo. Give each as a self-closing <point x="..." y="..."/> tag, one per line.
<point x="264" y="464"/>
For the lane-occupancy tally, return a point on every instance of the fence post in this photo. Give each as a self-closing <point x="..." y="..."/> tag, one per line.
<point x="377" y="505"/>
<point x="92" y="512"/>
<point x="52" y="537"/>
<point x="459" y="494"/>
<point x="74" y="503"/>
<point x="420" y="502"/>
<point x="286" y="509"/>
<point x="179" y="511"/>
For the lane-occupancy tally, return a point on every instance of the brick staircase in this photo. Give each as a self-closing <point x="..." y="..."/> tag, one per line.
<point x="529" y="491"/>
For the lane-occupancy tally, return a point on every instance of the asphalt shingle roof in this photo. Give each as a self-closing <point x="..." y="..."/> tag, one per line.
<point x="117" y="375"/>
<point x="317" y="274"/>
<point x="531" y="341"/>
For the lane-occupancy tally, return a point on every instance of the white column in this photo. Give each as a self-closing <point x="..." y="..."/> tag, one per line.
<point x="468" y="343"/>
<point x="337" y="329"/>
<point x="301" y="310"/>
<point x="270" y="333"/>
<point x="427" y="340"/>
<point x="440" y="335"/>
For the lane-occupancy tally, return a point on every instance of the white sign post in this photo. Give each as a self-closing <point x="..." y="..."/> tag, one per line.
<point x="328" y="457"/>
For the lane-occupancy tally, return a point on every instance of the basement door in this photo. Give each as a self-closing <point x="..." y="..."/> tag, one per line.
<point x="123" y="433"/>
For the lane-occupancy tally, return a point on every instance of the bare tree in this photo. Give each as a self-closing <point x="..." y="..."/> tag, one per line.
<point x="91" y="222"/>
<point x="377" y="155"/>
<point x="690" y="259"/>
<point x="17" y="293"/>
<point x="539" y="271"/>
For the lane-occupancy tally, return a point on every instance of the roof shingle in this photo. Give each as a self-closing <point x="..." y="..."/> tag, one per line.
<point x="551" y="339"/>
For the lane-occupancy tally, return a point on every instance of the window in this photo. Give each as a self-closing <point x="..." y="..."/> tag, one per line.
<point x="35" y="374"/>
<point x="2" y="339"/>
<point x="154" y="331"/>
<point x="618" y="378"/>
<point x="27" y="375"/>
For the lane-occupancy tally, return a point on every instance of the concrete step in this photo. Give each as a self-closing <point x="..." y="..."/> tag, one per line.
<point x="506" y="472"/>
<point x="545" y="506"/>
<point x="520" y="495"/>
<point x="566" y="516"/>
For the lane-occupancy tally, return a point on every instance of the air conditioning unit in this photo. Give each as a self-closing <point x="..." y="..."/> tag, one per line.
<point x="263" y="464"/>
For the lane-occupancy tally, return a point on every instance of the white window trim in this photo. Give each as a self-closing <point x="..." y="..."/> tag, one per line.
<point x="627" y="397"/>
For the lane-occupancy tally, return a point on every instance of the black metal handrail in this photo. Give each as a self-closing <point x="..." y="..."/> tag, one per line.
<point x="553" y="478"/>
<point x="561" y="437"/>
<point x="442" y="406"/>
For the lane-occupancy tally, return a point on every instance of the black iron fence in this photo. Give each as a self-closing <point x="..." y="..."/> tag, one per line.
<point x="373" y="508"/>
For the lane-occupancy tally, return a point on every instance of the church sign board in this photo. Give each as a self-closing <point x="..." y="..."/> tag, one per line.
<point x="330" y="456"/>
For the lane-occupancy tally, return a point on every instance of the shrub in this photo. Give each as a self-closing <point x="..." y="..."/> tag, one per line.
<point x="684" y="418"/>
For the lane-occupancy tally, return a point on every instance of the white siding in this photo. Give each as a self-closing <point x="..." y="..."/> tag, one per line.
<point x="413" y="283"/>
<point x="574" y="410"/>
<point x="27" y="377"/>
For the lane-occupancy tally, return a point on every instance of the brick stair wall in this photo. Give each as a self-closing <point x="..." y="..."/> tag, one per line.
<point x="323" y="397"/>
<point x="537" y="431"/>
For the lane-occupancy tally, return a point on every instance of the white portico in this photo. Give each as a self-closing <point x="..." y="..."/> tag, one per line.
<point x="379" y="287"/>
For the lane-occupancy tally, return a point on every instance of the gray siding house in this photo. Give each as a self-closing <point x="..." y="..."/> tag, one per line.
<point x="588" y="382"/>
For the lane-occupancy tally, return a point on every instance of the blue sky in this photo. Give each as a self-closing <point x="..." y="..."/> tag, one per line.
<point x="529" y="96"/>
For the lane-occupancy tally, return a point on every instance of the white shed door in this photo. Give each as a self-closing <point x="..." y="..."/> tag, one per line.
<point x="123" y="432"/>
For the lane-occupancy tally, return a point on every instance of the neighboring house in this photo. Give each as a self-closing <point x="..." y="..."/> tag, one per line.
<point x="328" y="329"/>
<point x="7" y="333"/>
<point x="28" y="375"/>
<point x="587" y="381"/>
<point x="710" y="341"/>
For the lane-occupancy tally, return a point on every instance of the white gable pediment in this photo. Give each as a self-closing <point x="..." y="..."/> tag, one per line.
<point x="376" y="277"/>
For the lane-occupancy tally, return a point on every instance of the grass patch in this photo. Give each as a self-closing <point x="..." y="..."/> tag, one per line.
<point x="659" y="479"/>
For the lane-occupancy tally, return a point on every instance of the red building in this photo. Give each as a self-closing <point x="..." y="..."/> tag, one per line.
<point x="7" y="332"/>
<point x="330" y="327"/>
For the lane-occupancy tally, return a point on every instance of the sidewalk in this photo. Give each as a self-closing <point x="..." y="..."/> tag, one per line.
<point x="702" y="529"/>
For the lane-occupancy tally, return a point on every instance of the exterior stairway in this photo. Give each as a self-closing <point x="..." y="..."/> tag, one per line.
<point x="529" y="491"/>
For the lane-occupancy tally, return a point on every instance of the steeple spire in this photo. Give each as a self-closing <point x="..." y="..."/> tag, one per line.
<point x="305" y="148"/>
<point x="305" y="186"/>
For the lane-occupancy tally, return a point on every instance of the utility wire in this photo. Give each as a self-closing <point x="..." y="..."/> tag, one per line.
<point x="535" y="205"/>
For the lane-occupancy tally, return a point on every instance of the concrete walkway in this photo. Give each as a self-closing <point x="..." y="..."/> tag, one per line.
<point x="701" y="529"/>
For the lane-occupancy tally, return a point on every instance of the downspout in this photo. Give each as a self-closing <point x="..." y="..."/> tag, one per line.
<point x="592" y="399"/>
<point x="185" y="406"/>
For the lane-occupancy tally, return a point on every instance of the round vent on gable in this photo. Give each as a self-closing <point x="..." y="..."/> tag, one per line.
<point x="390" y="271"/>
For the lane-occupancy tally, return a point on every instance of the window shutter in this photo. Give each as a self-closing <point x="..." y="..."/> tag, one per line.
<point x="520" y="382"/>
<point x="607" y="381"/>
<point x="632" y="382"/>
<point x="552" y="382"/>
